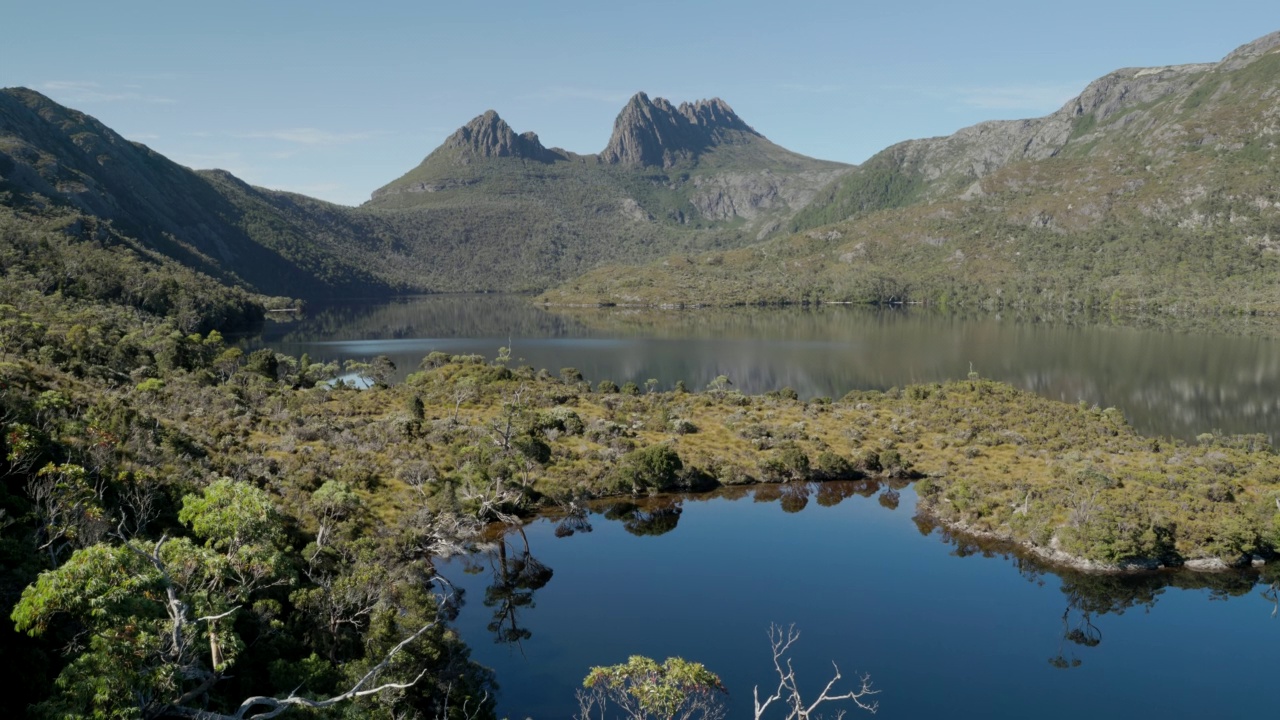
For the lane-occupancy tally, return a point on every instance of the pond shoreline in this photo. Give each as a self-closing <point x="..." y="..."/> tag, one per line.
<point x="1052" y="558"/>
<point x="1056" y="558"/>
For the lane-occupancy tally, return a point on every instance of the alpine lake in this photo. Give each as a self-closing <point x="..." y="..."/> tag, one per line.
<point x="944" y="626"/>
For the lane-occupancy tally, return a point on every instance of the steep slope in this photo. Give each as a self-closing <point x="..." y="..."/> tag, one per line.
<point x="1122" y="106"/>
<point x="55" y="157"/>
<point x="493" y="209"/>
<point x="1156" y="187"/>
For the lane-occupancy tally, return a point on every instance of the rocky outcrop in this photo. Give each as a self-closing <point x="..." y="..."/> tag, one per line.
<point x="729" y="195"/>
<point x="1246" y="54"/>
<point x="659" y="134"/>
<point x="725" y="171"/>
<point x="489" y="136"/>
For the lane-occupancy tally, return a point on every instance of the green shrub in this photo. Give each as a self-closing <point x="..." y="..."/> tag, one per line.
<point x="869" y="462"/>
<point x="787" y="463"/>
<point x="832" y="466"/>
<point x="656" y="467"/>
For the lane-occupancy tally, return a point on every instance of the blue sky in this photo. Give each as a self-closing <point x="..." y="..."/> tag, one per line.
<point x="335" y="99"/>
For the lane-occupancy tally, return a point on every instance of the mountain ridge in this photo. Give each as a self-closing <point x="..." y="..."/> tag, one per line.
<point x="1155" y="189"/>
<point x="682" y="177"/>
<point x="929" y="168"/>
<point x="51" y="155"/>
<point x="1171" y="150"/>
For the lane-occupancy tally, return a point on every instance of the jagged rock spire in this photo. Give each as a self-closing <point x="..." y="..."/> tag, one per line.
<point x="488" y="135"/>
<point x="654" y="132"/>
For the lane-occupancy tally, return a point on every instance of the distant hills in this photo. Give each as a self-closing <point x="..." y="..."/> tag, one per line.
<point x="487" y="210"/>
<point x="1154" y="188"/>
<point x="53" y="158"/>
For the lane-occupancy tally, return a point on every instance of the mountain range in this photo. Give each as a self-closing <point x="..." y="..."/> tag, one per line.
<point x="487" y="210"/>
<point x="1155" y="188"/>
<point x="1153" y="185"/>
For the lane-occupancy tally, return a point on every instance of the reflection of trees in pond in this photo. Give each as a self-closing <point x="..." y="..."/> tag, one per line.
<point x="1271" y="593"/>
<point x="574" y="521"/>
<point x="890" y="498"/>
<point x="516" y="576"/>
<point x="655" y="516"/>
<point x="834" y="492"/>
<point x="1082" y="633"/>
<point x="1091" y="595"/>
<point x="771" y="492"/>
<point x="728" y="492"/>
<point x="866" y="488"/>
<point x="795" y="496"/>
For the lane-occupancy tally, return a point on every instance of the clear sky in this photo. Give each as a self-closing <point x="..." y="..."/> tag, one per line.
<point x="335" y="99"/>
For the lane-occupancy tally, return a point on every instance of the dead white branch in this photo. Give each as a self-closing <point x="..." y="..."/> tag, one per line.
<point x="269" y="707"/>
<point x="788" y="691"/>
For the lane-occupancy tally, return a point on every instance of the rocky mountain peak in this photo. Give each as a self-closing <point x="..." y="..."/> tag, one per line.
<point x="657" y="133"/>
<point x="489" y="136"/>
<point x="714" y="114"/>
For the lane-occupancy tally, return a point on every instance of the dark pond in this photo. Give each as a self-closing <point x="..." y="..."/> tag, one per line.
<point x="1167" y="383"/>
<point x="944" y="628"/>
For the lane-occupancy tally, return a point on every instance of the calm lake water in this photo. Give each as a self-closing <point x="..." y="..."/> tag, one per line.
<point x="944" y="628"/>
<point x="1173" y="384"/>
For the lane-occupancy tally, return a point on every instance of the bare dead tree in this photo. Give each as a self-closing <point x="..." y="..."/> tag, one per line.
<point x="465" y="390"/>
<point x="139" y="507"/>
<point x="788" y="695"/>
<point x="272" y="707"/>
<point x="492" y="501"/>
<point x="441" y="534"/>
<point x="419" y="475"/>
<point x="502" y="428"/>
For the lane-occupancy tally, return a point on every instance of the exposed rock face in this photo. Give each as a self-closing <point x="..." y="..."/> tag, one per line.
<point x="659" y="134"/>
<point x="1246" y="54"/>
<point x="748" y="195"/>
<point x="489" y="136"/>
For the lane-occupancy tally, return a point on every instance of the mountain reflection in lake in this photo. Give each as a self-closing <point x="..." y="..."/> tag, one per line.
<point x="945" y="626"/>
<point x="1180" y="384"/>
